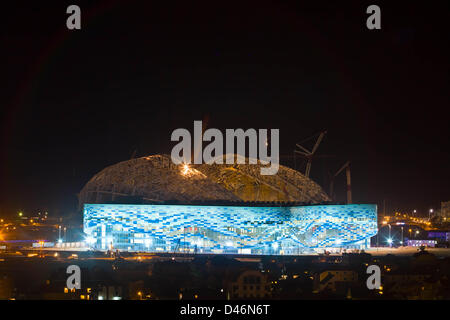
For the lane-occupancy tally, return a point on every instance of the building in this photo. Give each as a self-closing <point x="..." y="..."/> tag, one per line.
<point x="151" y="204"/>
<point x="445" y="210"/>
<point x="6" y="287"/>
<point x="281" y="230"/>
<point x="419" y="243"/>
<point x="405" y="284"/>
<point x="440" y="236"/>
<point x="334" y="280"/>
<point x="250" y="284"/>
<point x="155" y="178"/>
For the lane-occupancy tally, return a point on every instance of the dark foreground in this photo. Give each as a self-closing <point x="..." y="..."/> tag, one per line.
<point x="38" y="275"/>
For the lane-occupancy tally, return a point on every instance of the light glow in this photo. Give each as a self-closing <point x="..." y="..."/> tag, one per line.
<point x="228" y="229"/>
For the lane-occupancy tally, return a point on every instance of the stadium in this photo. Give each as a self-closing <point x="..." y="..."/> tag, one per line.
<point x="149" y="204"/>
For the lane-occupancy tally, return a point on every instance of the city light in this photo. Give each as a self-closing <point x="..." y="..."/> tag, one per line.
<point x="90" y="240"/>
<point x="389" y="240"/>
<point x="185" y="169"/>
<point x="174" y="224"/>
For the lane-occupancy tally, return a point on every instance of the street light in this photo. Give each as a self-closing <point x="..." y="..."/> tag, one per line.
<point x="402" y="238"/>
<point x="429" y="215"/>
<point x="390" y="239"/>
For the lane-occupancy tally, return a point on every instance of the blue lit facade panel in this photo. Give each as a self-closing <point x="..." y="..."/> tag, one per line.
<point x="229" y="229"/>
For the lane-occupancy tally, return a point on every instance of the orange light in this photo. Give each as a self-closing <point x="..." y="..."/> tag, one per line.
<point x="185" y="170"/>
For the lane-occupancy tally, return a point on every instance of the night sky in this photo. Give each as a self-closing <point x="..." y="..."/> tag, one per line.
<point x="74" y="102"/>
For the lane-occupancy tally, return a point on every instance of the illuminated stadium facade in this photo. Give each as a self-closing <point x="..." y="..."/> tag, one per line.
<point x="284" y="230"/>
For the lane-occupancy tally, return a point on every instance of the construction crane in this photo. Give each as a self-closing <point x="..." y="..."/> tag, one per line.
<point x="346" y="166"/>
<point x="308" y="155"/>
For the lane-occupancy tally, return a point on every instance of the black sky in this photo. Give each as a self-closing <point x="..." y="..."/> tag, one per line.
<point x="73" y="102"/>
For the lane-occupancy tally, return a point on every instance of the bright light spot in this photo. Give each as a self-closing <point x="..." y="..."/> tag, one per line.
<point x="90" y="240"/>
<point x="275" y="246"/>
<point x="100" y="298"/>
<point x="60" y="241"/>
<point x="229" y="244"/>
<point x="389" y="240"/>
<point x="185" y="169"/>
<point x="338" y="241"/>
